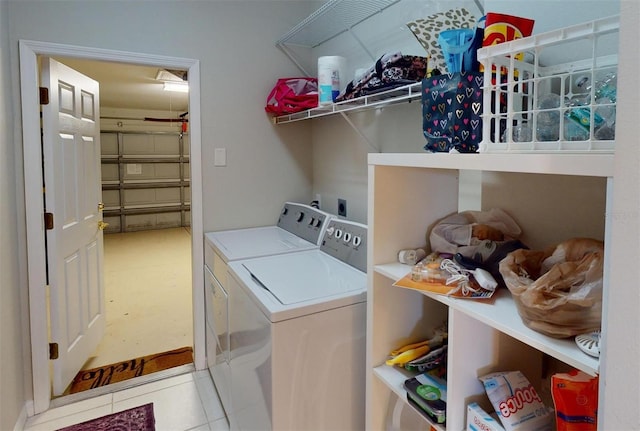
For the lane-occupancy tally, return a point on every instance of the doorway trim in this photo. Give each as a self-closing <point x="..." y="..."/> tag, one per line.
<point x="32" y="158"/>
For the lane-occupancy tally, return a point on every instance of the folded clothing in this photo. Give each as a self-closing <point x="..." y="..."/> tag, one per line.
<point x="389" y="72"/>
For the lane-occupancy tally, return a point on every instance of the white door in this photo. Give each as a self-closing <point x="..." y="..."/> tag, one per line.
<point x="71" y="151"/>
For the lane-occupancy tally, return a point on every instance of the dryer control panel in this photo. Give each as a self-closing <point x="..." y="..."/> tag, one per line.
<point x="347" y="241"/>
<point x="304" y="221"/>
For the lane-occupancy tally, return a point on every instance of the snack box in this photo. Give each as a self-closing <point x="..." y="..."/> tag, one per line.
<point x="479" y="420"/>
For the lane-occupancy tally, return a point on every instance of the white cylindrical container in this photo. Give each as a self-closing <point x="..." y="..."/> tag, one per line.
<point x="331" y="78"/>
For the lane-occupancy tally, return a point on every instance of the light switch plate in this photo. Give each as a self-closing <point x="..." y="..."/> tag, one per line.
<point x="220" y="157"/>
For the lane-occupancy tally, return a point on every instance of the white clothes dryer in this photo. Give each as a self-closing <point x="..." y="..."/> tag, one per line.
<point x="297" y="327"/>
<point x="299" y="227"/>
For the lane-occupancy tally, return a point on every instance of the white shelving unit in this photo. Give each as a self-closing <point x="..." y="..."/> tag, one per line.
<point x="408" y="193"/>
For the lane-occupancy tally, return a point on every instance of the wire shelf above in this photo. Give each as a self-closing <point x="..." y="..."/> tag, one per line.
<point x="332" y="19"/>
<point x="376" y="100"/>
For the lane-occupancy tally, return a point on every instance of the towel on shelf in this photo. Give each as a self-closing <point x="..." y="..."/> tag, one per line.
<point x="390" y="71"/>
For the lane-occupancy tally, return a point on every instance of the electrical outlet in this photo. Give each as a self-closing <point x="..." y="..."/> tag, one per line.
<point x="342" y="207"/>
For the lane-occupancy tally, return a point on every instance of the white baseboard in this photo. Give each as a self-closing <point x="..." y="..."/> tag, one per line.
<point x="21" y="423"/>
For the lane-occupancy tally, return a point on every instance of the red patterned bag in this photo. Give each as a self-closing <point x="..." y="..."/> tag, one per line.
<point x="292" y="95"/>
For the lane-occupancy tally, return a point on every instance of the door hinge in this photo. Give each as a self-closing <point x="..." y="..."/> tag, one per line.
<point x="53" y="351"/>
<point x="44" y="96"/>
<point x="48" y="221"/>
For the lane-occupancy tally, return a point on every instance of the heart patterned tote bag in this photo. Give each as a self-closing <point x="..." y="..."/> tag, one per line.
<point x="452" y="112"/>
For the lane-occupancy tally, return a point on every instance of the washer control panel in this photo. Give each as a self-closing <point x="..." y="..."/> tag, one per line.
<point x="347" y="241"/>
<point x="304" y="221"/>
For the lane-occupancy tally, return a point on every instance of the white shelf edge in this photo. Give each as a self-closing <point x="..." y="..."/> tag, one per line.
<point x="578" y="31"/>
<point x="377" y="100"/>
<point x="394" y="270"/>
<point x="591" y="165"/>
<point x="509" y="322"/>
<point x="394" y="379"/>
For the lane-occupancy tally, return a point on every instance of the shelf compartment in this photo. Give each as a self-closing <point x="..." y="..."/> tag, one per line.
<point x="406" y="93"/>
<point x="145" y="185"/>
<point x="393" y="378"/>
<point x="501" y="313"/>
<point x="147" y="210"/>
<point x="149" y="159"/>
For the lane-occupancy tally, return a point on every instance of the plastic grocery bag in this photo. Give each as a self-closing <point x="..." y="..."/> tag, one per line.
<point x="291" y="95"/>
<point x="558" y="292"/>
<point x="475" y="234"/>
<point x="575" y="397"/>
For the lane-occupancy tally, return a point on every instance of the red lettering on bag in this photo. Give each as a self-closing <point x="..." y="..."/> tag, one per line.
<point x="518" y="400"/>
<point x="480" y="425"/>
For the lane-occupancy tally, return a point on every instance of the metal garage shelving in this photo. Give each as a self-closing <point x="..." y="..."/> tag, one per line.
<point x="119" y="211"/>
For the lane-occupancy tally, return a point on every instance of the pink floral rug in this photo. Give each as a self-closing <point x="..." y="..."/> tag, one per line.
<point x="135" y="419"/>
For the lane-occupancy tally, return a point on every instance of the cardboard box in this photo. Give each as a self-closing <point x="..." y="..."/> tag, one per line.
<point x="479" y="420"/>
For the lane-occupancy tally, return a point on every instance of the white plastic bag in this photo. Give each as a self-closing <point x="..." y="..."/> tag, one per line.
<point x="458" y="233"/>
<point x="516" y="402"/>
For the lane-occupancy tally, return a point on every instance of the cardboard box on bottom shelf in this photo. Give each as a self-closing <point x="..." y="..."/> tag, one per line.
<point x="479" y="420"/>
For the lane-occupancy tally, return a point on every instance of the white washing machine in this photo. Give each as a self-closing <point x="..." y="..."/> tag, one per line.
<point x="299" y="227"/>
<point x="297" y="327"/>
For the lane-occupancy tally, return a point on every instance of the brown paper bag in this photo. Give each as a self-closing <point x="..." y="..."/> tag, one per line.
<point x="558" y="292"/>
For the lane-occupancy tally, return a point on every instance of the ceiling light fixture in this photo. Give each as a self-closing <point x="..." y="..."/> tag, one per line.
<point x="182" y="87"/>
<point x="171" y="75"/>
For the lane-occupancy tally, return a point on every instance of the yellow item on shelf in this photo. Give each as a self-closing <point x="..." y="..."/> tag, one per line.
<point x="409" y="355"/>
<point x="409" y="347"/>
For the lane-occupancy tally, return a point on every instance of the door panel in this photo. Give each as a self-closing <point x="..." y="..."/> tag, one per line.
<point x="71" y="151"/>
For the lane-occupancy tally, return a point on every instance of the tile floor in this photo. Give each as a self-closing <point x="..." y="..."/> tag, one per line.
<point x="180" y="403"/>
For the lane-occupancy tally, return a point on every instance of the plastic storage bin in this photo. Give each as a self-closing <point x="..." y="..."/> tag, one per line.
<point x="560" y="98"/>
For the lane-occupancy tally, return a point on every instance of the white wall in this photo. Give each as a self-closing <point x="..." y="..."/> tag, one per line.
<point x="622" y="344"/>
<point x="239" y="65"/>
<point x="552" y="14"/>
<point x="12" y="371"/>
